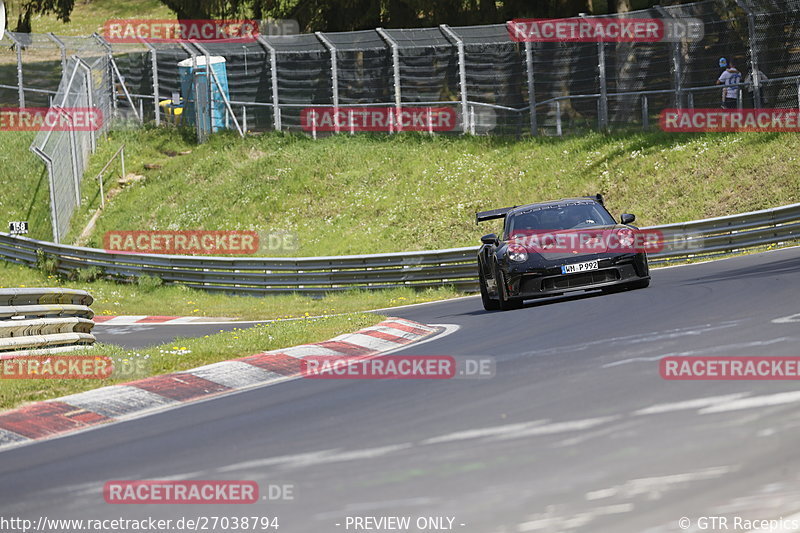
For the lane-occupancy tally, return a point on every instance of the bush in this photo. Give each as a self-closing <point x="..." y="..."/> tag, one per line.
<point x="47" y="263"/>
<point x="86" y="275"/>
<point x="149" y="283"/>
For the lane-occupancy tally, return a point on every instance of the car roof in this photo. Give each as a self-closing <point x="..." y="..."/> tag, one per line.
<point x="554" y="203"/>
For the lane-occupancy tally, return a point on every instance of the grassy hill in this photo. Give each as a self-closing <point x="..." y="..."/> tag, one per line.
<point x="366" y="194"/>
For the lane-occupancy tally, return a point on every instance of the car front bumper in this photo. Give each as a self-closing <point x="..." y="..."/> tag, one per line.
<point x="549" y="281"/>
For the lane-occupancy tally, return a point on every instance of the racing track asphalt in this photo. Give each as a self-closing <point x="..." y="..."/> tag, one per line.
<point x="576" y="432"/>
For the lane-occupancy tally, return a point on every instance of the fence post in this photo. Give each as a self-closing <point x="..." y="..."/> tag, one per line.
<point x="110" y="67"/>
<point x="20" y="88"/>
<point x="334" y="77"/>
<point x="209" y="86"/>
<point x="601" y="72"/>
<point x="462" y="74"/>
<point x="273" y="69"/>
<point x="53" y="211"/>
<point x="645" y="113"/>
<point x="472" y="120"/>
<point x="213" y="79"/>
<point x="558" y="118"/>
<point x="755" y="75"/>
<point x="676" y="62"/>
<point x="63" y="49"/>
<point x="398" y="102"/>
<point x="73" y="145"/>
<point x="89" y="97"/>
<point x="154" y="66"/>
<point x="531" y="91"/>
<point x="122" y="159"/>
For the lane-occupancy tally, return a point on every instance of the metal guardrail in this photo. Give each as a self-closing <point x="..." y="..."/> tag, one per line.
<point x="43" y="321"/>
<point x="318" y="275"/>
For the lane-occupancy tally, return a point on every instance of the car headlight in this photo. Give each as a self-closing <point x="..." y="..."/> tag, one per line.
<point x="626" y="239"/>
<point x="517" y="253"/>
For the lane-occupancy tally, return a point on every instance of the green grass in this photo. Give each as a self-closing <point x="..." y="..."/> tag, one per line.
<point x="25" y="191"/>
<point x="368" y="194"/>
<point x="88" y="16"/>
<point x="184" y="354"/>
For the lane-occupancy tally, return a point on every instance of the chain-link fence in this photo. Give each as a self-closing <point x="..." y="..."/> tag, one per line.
<point x="66" y="142"/>
<point x="491" y="81"/>
<point x="493" y="84"/>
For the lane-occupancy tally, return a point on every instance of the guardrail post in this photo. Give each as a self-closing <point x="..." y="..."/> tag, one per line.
<point x="273" y="69"/>
<point x="398" y="101"/>
<point x="154" y="67"/>
<point x="334" y="77"/>
<point x="462" y="74"/>
<point x="20" y="87"/>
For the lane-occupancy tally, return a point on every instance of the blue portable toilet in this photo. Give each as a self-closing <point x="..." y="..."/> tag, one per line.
<point x="186" y="74"/>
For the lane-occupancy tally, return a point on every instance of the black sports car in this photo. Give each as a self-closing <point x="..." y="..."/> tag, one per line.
<point x="554" y="247"/>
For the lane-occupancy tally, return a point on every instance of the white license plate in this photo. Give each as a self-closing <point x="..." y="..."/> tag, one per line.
<point x="580" y="267"/>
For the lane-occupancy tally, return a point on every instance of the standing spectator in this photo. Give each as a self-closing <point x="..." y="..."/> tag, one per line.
<point x="731" y="79"/>
<point x="762" y="89"/>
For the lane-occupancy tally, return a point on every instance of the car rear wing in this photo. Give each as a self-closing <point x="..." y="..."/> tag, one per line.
<point x="483" y="216"/>
<point x="597" y="198"/>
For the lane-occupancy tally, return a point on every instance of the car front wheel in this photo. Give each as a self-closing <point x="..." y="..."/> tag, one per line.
<point x="488" y="303"/>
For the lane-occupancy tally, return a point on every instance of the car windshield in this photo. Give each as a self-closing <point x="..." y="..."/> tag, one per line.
<point x="558" y="217"/>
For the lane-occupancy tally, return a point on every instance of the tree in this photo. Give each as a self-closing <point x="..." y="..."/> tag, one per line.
<point x="23" y="10"/>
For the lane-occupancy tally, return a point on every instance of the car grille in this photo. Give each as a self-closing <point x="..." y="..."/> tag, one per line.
<point x="570" y="281"/>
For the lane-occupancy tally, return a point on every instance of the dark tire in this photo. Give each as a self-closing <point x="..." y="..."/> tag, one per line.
<point x="506" y="304"/>
<point x="488" y="303"/>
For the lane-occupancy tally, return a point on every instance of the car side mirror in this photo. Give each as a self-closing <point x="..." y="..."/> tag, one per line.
<point x="627" y="218"/>
<point x="489" y="239"/>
